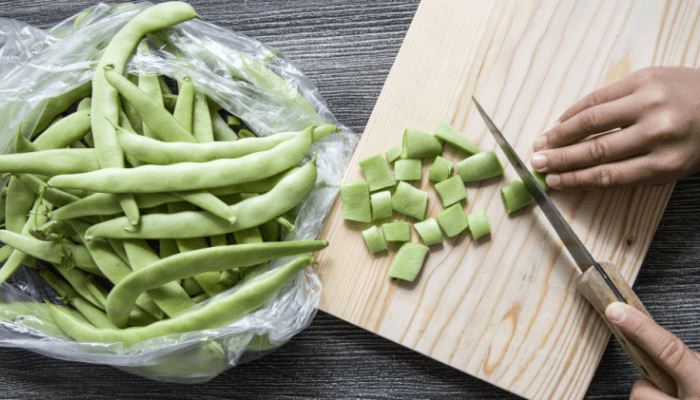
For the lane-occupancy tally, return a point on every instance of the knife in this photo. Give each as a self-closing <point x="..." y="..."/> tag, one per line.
<point x="599" y="282"/>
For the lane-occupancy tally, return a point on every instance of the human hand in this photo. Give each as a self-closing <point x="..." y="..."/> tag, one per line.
<point x="674" y="356"/>
<point x="658" y="113"/>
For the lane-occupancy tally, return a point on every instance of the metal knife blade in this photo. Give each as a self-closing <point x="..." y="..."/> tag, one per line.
<point x="578" y="251"/>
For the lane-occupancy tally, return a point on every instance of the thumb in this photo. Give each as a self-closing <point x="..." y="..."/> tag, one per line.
<point x="666" y="348"/>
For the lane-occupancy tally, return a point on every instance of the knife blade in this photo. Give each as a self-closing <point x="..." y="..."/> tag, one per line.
<point x="573" y="244"/>
<point x="600" y="285"/>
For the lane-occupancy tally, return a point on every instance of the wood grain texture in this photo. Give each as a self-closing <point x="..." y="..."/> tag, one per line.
<point x="347" y="48"/>
<point x="505" y="309"/>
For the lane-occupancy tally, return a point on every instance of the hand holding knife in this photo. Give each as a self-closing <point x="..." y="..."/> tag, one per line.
<point x="599" y="282"/>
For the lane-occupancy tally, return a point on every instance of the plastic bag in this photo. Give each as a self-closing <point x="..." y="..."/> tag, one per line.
<point x="244" y="76"/>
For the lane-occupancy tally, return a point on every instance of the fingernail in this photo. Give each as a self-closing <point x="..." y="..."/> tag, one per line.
<point x="538" y="161"/>
<point x="539" y="143"/>
<point x="616" y="312"/>
<point x="553" y="180"/>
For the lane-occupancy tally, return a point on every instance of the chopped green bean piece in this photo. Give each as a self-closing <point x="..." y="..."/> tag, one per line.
<point x="408" y="261"/>
<point x="377" y="172"/>
<point x="516" y="196"/>
<point x="355" y="198"/>
<point x="419" y="144"/>
<point x="478" y="224"/>
<point x="244" y="133"/>
<point x="480" y="166"/>
<point x="452" y="220"/>
<point x="397" y="231"/>
<point x="409" y="169"/>
<point x="441" y="169"/>
<point x="455" y="138"/>
<point x="410" y="201"/>
<point x="392" y="154"/>
<point x="429" y="231"/>
<point x="374" y="239"/>
<point x="451" y="191"/>
<point x="233" y="121"/>
<point x="381" y="205"/>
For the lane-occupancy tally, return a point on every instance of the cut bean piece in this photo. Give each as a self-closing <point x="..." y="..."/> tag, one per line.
<point x="392" y="154"/>
<point x="410" y="169"/>
<point x="408" y="261"/>
<point x="429" y="231"/>
<point x="381" y="205"/>
<point x="397" y="231"/>
<point x="419" y="144"/>
<point x="455" y="138"/>
<point x="356" y="201"/>
<point x="479" y="167"/>
<point x="451" y="191"/>
<point x="452" y="220"/>
<point x="478" y="224"/>
<point x="377" y="172"/>
<point x="374" y="239"/>
<point x="441" y="169"/>
<point x="410" y="201"/>
<point x="516" y="196"/>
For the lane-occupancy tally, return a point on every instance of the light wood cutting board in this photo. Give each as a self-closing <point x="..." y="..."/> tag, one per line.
<point x="504" y="308"/>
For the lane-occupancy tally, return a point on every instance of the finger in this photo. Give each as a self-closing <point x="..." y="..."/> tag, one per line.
<point x="623" y="173"/>
<point x="603" y="149"/>
<point x="590" y="121"/>
<point x="666" y="348"/>
<point x="645" y="390"/>
<point x="612" y="92"/>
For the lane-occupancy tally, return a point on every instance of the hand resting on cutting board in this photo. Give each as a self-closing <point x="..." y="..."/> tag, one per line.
<point x="642" y="129"/>
<point x="682" y="363"/>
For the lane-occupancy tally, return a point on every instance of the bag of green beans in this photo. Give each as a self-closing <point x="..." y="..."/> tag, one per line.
<point x="45" y="73"/>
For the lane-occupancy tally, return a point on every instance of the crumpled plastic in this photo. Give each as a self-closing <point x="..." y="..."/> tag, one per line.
<point x="244" y="76"/>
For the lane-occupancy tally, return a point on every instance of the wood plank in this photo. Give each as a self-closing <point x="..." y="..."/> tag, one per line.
<point x="504" y="309"/>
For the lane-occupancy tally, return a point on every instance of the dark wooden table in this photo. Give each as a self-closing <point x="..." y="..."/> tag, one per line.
<point x="347" y="48"/>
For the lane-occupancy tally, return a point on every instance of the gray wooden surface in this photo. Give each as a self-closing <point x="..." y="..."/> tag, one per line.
<point x="347" y="48"/>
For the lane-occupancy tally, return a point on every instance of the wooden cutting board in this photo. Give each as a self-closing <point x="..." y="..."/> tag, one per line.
<point x="504" y="308"/>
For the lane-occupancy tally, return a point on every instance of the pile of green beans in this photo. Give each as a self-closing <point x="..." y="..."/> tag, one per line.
<point x="135" y="212"/>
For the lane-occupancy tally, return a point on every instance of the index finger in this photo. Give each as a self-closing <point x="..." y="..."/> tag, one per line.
<point x="667" y="349"/>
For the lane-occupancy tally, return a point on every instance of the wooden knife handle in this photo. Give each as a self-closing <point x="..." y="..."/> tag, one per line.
<point x="596" y="291"/>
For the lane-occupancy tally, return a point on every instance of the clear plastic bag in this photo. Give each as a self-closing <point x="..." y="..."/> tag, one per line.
<point x="248" y="79"/>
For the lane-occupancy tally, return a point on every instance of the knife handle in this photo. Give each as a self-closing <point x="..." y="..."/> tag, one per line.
<point x="596" y="291"/>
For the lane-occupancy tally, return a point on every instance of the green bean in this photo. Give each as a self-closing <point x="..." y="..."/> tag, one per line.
<point x="113" y="266"/>
<point x="452" y="220"/>
<point x="220" y="129"/>
<point x="67" y="131"/>
<point x="58" y="104"/>
<point x="516" y="196"/>
<point x="208" y="202"/>
<point x="213" y="259"/>
<point x="189" y="176"/>
<point x="208" y="281"/>
<point x="478" y="224"/>
<point x="245" y="134"/>
<point x="233" y="121"/>
<point x="5" y="252"/>
<point x="63" y="252"/>
<point x="171" y="297"/>
<point x="50" y="162"/>
<point x="150" y="85"/>
<point x="184" y="107"/>
<point x="18" y="256"/>
<point x="154" y="115"/>
<point x="202" y="128"/>
<point x="85" y="104"/>
<point x="419" y="144"/>
<point x="105" y="103"/>
<point x="397" y="231"/>
<point x="393" y="154"/>
<point x="286" y="195"/>
<point x="83" y="284"/>
<point x="441" y="169"/>
<point x="479" y="167"/>
<point x="22" y="144"/>
<point x="166" y="153"/>
<point x="381" y="205"/>
<point x="213" y="315"/>
<point x="34" y="316"/>
<point x="98" y="318"/>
